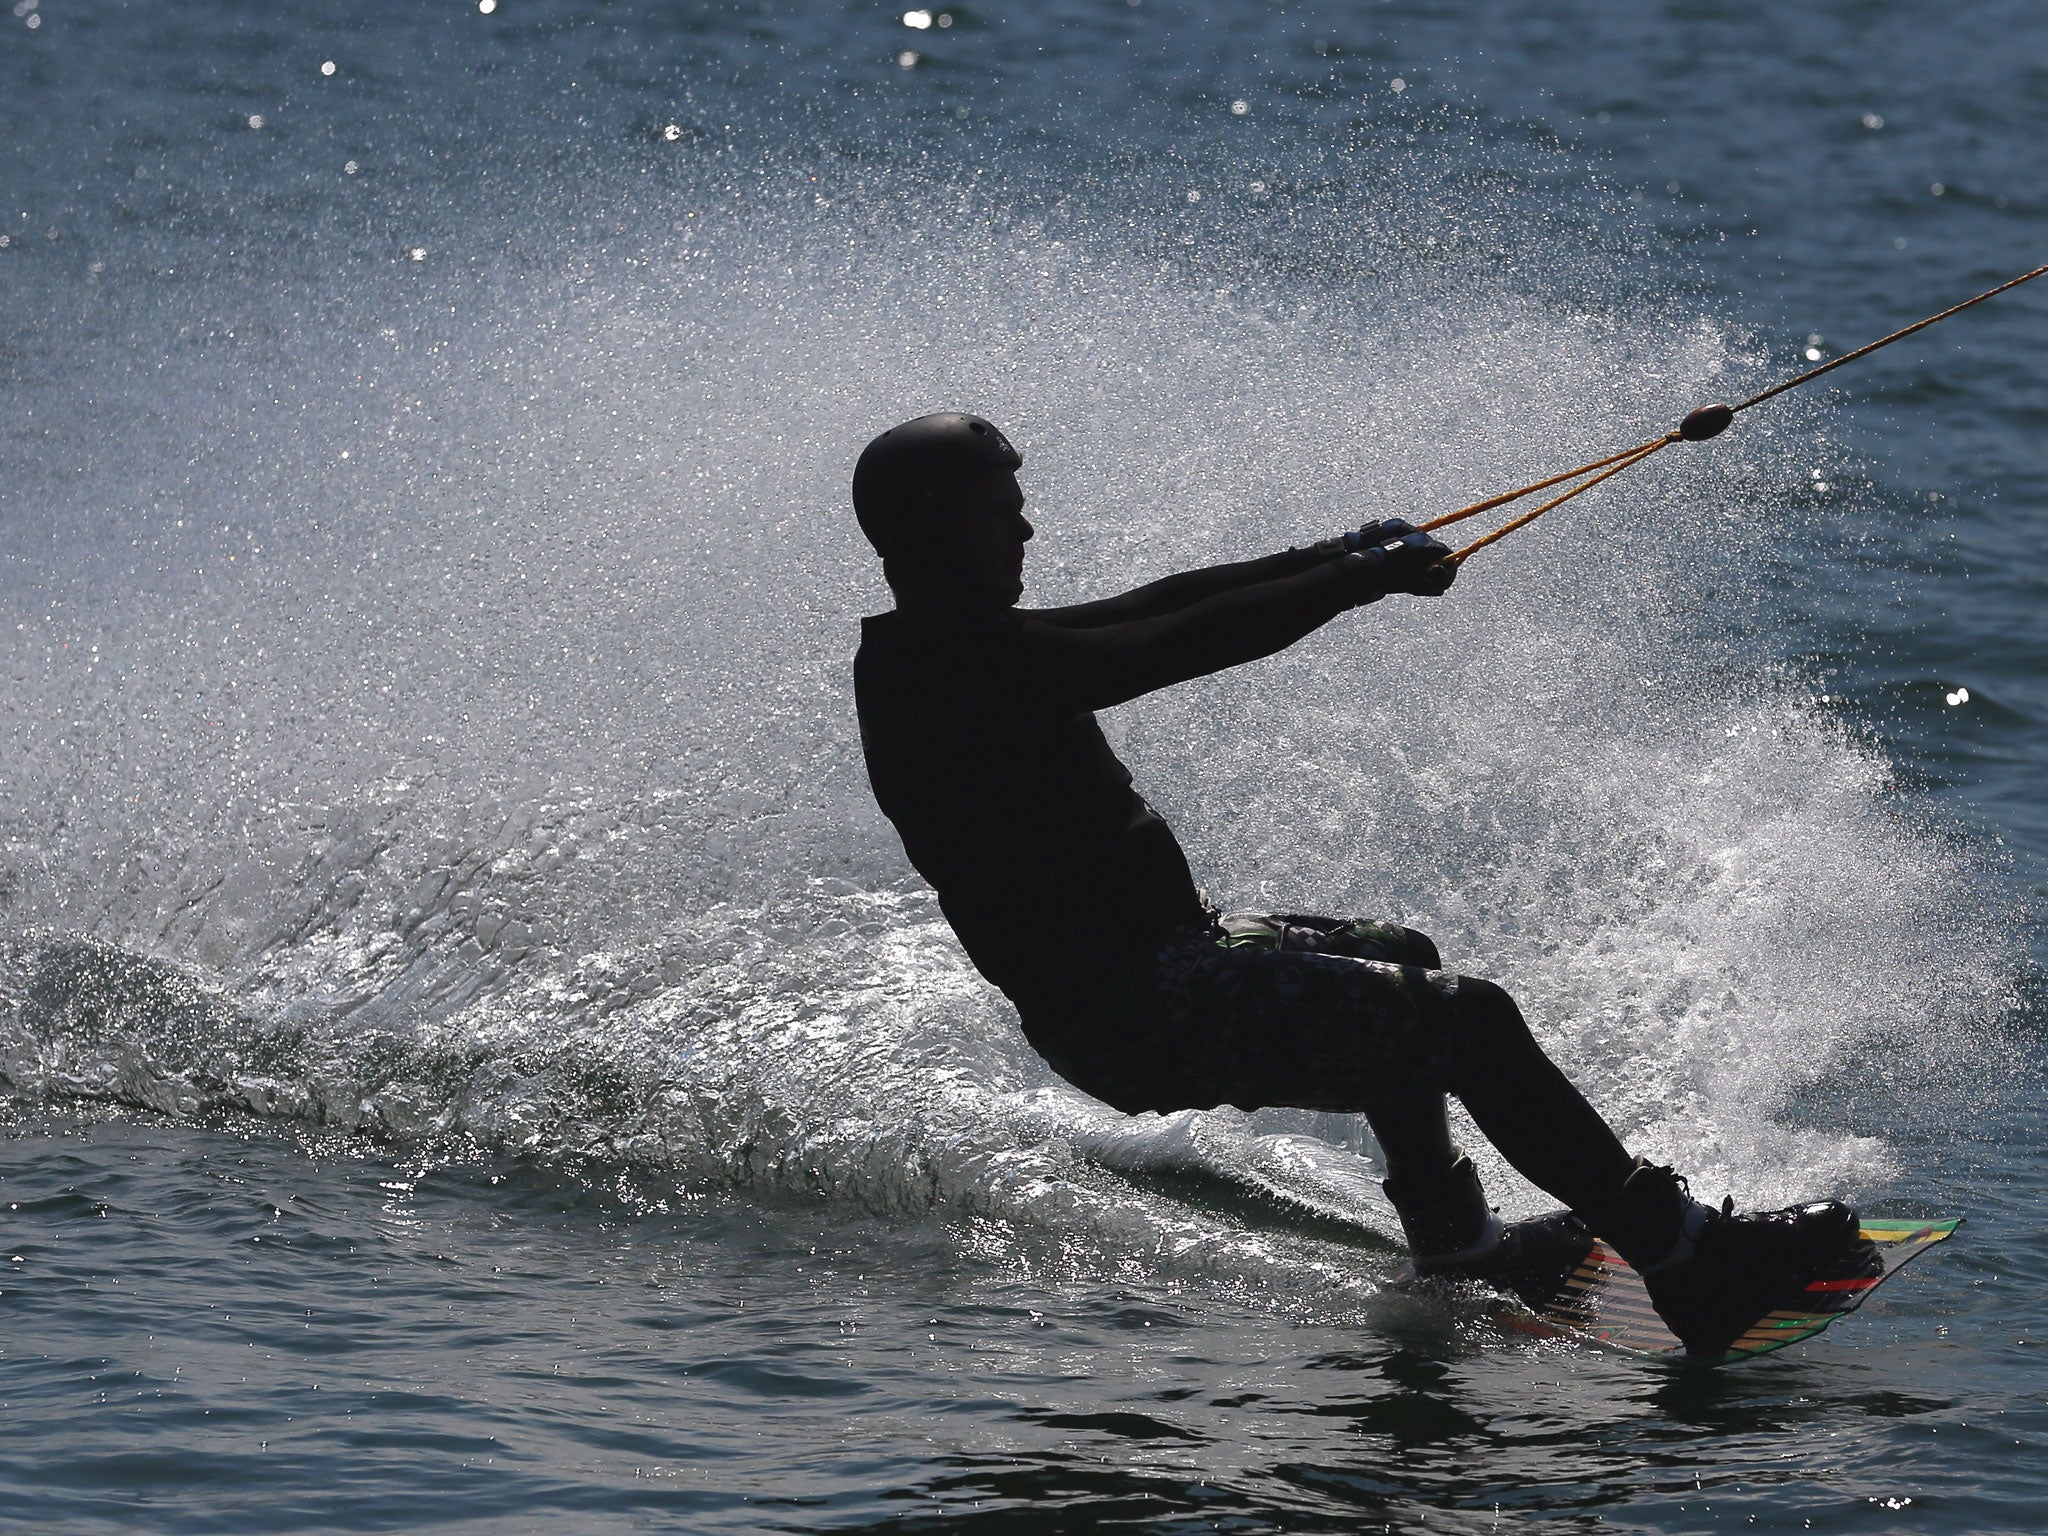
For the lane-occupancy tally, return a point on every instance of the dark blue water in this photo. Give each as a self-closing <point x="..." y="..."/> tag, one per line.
<point x="475" y="1059"/>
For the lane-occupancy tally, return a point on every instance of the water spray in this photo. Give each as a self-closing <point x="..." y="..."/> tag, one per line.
<point x="1707" y="421"/>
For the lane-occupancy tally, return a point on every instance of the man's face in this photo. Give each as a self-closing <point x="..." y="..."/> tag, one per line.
<point x="984" y="547"/>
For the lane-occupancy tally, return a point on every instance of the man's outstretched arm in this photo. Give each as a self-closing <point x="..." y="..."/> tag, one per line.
<point x="1171" y="594"/>
<point x="1096" y="666"/>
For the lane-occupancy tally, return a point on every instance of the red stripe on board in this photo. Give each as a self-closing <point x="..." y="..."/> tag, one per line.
<point x="1844" y="1285"/>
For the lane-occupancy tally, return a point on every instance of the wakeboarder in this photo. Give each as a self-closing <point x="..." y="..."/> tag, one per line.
<point x="1073" y="896"/>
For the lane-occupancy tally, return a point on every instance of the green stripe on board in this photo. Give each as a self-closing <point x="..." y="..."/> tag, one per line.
<point x="1895" y="1231"/>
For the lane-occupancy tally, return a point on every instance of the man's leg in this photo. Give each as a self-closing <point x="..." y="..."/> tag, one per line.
<point x="1710" y="1273"/>
<point x="1273" y="1011"/>
<point x="1529" y="1109"/>
<point x="1434" y="1188"/>
<point x="1386" y="1042"/>
<point x="1414" y="1137"/>
<point x="1543" y="1125"/>
<point x="1443" y="1210"/>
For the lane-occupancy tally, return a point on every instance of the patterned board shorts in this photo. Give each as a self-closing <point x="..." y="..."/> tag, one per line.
<point x="1260" y="1011"/>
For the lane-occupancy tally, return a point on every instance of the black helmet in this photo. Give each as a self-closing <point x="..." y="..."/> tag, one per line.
<point x="907" y="477"/>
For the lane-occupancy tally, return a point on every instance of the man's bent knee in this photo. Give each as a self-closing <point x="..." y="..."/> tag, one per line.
<point x="1487" y="1018"/>
<point x="1422" y="951"/>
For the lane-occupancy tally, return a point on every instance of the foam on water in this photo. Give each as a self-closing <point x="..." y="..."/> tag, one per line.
<point x="432" y="719"/>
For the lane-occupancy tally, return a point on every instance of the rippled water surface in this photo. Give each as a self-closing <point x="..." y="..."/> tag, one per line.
<point x="474" y="1058"/>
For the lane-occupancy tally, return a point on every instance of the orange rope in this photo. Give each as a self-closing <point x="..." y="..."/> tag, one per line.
<point x="1633" y="456"/>
<point x="1703" y="423"/>
<point x="1918" y="325"/>
<point x="1541" y="485"/>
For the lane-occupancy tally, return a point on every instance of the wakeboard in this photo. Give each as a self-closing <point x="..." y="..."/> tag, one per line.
<point x="1604" y="1301"/>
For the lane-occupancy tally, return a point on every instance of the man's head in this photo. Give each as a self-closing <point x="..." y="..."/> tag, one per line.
<point x="938" y="498"/>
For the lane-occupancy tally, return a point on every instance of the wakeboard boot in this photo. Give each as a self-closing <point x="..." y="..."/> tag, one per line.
<point x="1455" y="1235"/>
<point x="1713" y="1274"/>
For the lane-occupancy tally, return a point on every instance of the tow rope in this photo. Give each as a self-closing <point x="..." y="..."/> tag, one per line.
<point x="1699" y="425"/>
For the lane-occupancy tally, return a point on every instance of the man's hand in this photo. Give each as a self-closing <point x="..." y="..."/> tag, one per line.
<point x="1409" y="560"/>
<point x="1385" y="531"/>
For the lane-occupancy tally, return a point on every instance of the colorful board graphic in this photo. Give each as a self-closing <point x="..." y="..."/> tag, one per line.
<point x="1605" y="1300"/>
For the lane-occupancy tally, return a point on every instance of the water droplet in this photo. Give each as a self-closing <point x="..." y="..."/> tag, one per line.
<point x="327" y="67"/>
<point x="255" y="119"/>
<point x="907" y="58"/>
<point x="1938" y="188"/>
<point x="487" y="6"/>
<point x="1239" y="108"/>
<point x="349" y="169"/>
<point x="1397" y="85"/>
<point x="1872" y="121"/>
<point x="917" y="19"/>
<point x="672" y="132"/>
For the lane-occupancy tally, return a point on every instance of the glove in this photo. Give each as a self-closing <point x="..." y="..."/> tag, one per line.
<point x="1354" y="540"/>
<point x="1381" y="532"/>
<point x="1394" y="556"/>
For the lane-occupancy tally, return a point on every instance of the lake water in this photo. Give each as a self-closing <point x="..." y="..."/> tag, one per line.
<point x="474" y="1057"/>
